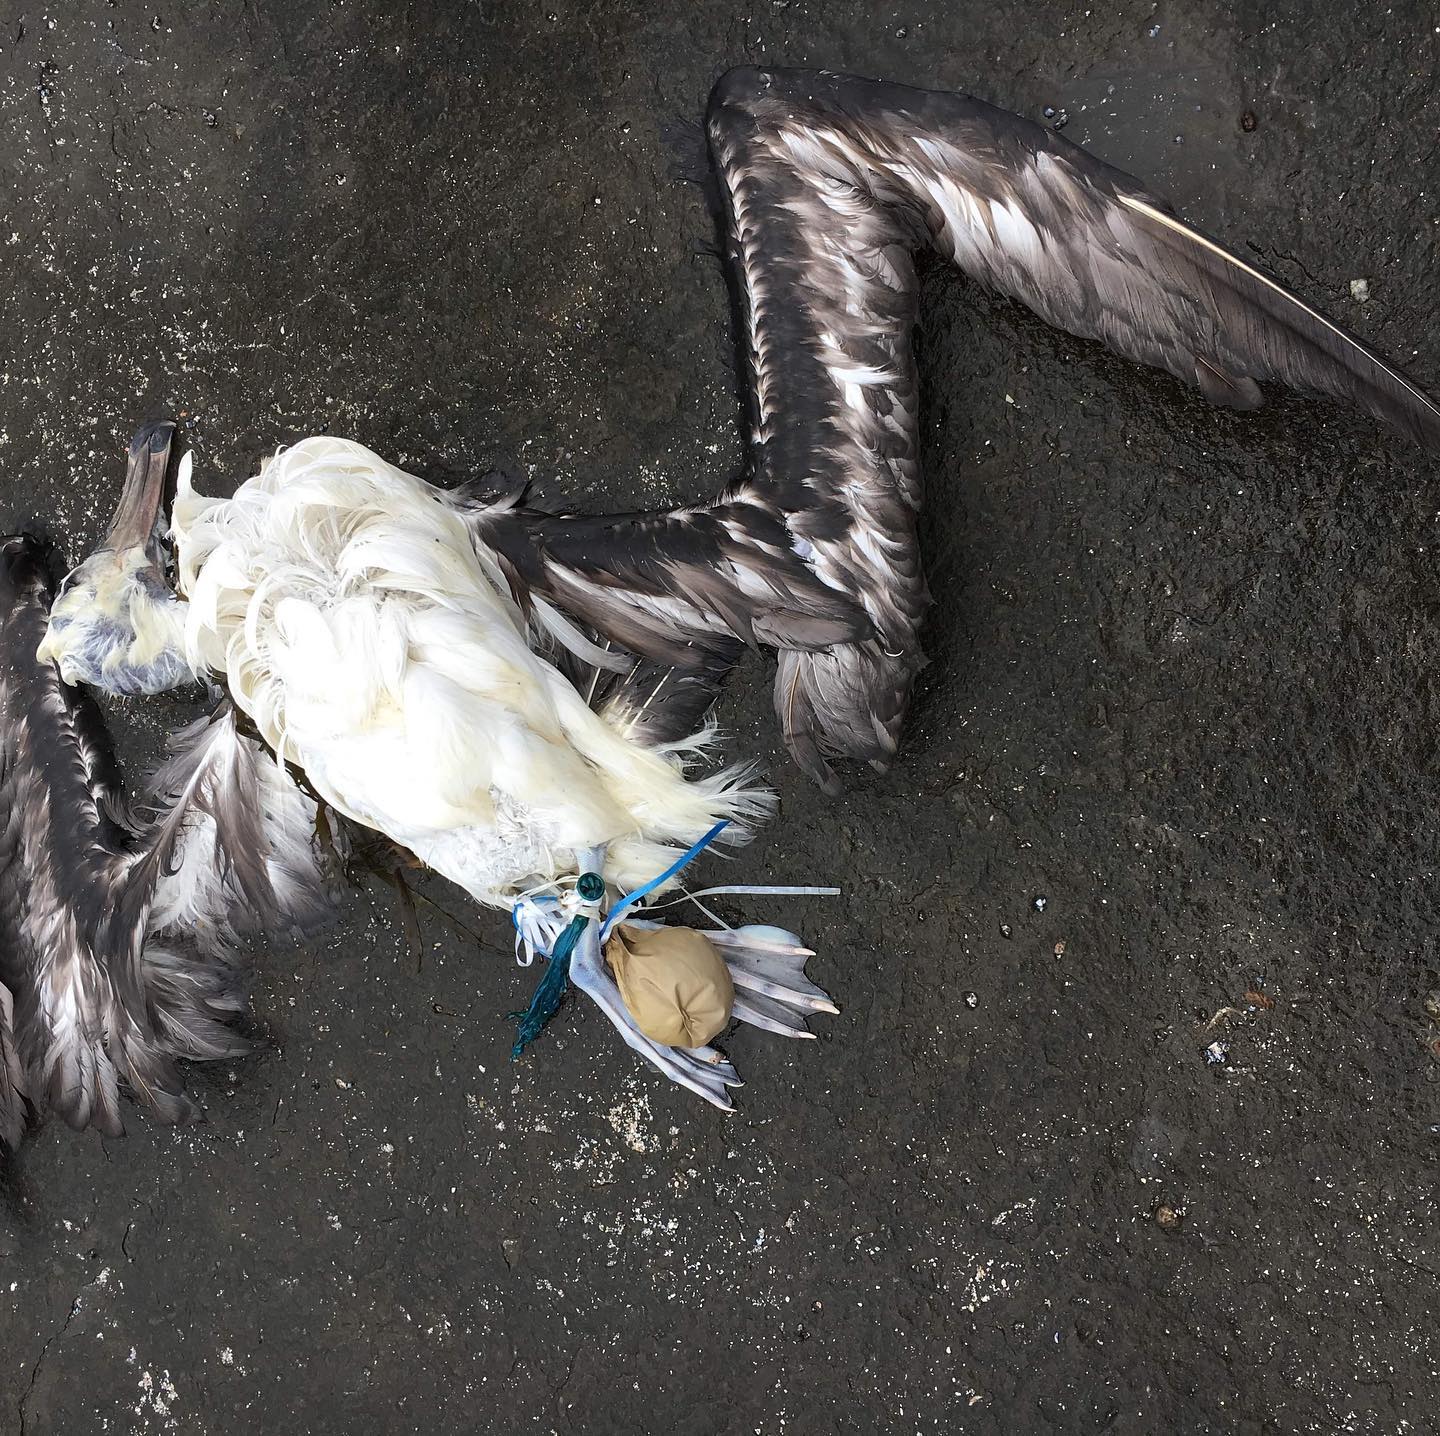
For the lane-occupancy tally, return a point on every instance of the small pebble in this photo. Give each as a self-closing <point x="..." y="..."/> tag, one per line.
<point x="1060" y="948"/>
<point x="1040" y="904"/>
<point x="1248" y="122"/>
<point x="1216" y="1053"/>
<point x="1004" y="929"/>
<point x="971" y="1000"/>
<point x="1360" y="290"/>
<point x="1168" y="1219"/>
<point x="1432" y="1005"/>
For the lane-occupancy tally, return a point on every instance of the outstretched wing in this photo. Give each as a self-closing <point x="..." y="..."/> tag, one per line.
<point x="804" y="154"/>
<point x="829" y="182"/>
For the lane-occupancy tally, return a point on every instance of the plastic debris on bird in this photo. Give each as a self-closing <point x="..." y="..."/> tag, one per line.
<point x="673" y="981"/>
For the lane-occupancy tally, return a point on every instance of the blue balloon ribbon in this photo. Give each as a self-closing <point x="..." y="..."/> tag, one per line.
<point x="678" y="866"/>
<point x="548" y="995"/>
<point x="546" y="1001"/>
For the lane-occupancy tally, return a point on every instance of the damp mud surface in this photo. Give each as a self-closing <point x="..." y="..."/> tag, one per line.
<point x="1130" y="1121"/>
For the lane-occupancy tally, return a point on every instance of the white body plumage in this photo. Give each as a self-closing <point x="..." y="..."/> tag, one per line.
<point x="358" y="624"/>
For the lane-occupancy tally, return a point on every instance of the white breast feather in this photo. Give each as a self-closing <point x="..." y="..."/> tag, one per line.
<point x="355" y="623"/>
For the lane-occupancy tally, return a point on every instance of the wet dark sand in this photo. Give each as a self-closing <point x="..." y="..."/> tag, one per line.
<point x="1177" y="746"/>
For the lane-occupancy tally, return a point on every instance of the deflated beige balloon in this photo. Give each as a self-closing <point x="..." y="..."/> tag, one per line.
<point x="673" y="981"/>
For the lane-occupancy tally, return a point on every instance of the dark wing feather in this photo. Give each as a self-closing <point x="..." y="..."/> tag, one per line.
<point x="656" y="706"/>
<point x="675" y="586"/>
<point x="59" y="850"/>
<point x="826" y="294"/>
<point x="14" y="1104"/>
<point x="682" y="590"/>
<point x="828" y="183"/>
<point x="1033" y="216"/>
<point x="92" y="1007"/>
<point x="637" y="580"/>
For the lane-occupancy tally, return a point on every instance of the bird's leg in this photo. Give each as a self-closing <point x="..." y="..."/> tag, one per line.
<point x="701" y="1069"/>
<point x="767" y="966"/>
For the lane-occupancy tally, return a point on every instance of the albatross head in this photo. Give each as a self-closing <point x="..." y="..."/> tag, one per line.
<point x="116" y="623"/>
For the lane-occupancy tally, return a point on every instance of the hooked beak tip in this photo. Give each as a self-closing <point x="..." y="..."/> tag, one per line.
<point x="138" y="512"/>
<point x="154" y="437"/>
